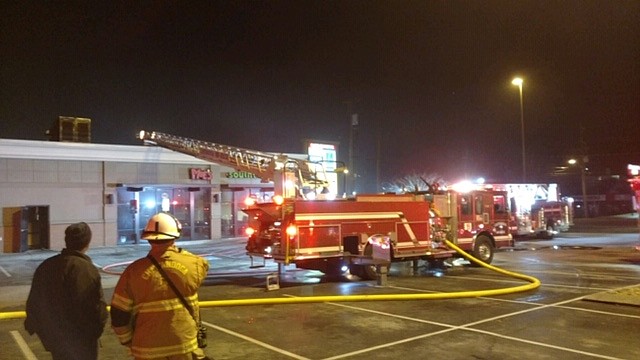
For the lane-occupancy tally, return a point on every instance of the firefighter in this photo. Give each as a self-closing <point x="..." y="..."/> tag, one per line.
<point x="146" y="314"/>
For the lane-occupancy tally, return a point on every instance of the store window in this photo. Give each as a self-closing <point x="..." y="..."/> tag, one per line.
<point x="136" y="205"/>
<point x="234" y="220"/>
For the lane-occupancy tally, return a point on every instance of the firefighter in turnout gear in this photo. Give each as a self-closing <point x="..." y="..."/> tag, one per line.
<point x="146" y="314"/>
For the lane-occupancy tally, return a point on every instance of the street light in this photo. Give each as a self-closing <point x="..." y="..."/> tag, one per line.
<point x="344" y="171"/>
<point x="583" y="168"/>
<point x="518" y="82"/>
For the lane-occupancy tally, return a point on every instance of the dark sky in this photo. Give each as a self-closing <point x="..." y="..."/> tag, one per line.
<point x="431" y="80"/>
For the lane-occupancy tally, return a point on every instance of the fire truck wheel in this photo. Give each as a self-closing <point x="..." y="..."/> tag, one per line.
<point x="483" y="250"/>
<point x="355" y="270"/>
<point x="548" y="234"/>
<point x="369" y="272"/>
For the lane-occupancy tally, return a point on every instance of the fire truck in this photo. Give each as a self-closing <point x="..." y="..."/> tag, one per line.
<point x="634" y="182"/>
<point x="358" y="233"/>
<point x="538" y="209"/>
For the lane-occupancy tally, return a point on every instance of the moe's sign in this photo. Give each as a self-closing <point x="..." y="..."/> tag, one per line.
<point x="199" y="174"/>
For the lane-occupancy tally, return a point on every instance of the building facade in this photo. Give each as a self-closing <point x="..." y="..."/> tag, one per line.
<point x="45" y="186"/>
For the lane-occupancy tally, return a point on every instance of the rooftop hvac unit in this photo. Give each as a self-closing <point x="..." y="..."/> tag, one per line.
<point x="71" y="129"/>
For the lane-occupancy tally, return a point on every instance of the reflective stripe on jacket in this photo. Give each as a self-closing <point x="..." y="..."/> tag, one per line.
<point x="160" y="325"/>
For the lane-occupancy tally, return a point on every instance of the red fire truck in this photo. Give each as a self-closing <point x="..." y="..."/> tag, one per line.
<point x="331" y="235"/>
<point x="634" y="181"/>
<point x="355" y="233"/>
<point x="538" y="209"/>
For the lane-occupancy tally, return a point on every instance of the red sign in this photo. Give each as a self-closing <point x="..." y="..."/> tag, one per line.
<point x="199" y="174"/>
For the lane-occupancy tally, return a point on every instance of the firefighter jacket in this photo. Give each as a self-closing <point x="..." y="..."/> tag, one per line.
<point x="66" y="306"/>
<point x="146" y="314"/>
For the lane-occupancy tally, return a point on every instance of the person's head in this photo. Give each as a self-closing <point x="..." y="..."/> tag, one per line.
<point x="162" y="229"/>
<point x="77" y="236"/>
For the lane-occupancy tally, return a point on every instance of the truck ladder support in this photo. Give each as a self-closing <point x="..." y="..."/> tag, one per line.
<point x="254" y="266"/>
<point x="382" y="271"/>
<point x="273" y="281"/>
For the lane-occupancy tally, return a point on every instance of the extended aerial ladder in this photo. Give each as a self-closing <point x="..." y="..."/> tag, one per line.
<point x="281" y="169"/>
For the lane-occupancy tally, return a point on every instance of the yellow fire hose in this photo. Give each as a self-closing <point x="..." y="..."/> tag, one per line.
<point x="533" y="284"/>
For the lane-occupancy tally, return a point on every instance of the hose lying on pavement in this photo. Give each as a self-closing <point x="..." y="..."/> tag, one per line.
<point x="533" y="284"/>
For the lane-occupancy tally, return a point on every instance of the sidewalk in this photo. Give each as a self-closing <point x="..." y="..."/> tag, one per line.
<point x="625" y="223"/>
<point x="143" y="247"/>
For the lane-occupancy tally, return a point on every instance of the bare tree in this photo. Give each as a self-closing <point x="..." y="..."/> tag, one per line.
<point x="414" y="182"/>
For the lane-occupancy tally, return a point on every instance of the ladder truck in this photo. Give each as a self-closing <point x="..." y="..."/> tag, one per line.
<point x="362" y="234"/>
<point x="292" y="177"/>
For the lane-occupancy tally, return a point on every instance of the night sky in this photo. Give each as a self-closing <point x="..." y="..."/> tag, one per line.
<point x="429" y="80"/>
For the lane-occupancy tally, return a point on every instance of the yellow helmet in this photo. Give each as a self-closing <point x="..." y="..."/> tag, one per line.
<point x="162" y="226"/>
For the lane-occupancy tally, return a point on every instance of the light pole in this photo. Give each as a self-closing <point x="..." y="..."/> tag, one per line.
<point x="518" y="82"/>
<point x="344" y="171"/>
<point x="583" y="168"/>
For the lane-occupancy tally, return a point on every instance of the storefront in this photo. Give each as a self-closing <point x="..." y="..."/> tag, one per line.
<point x="235" y="188"/>
<point x="47" y="185"/>
<point x="190" y="205"/>
<point x="114" y="188"/>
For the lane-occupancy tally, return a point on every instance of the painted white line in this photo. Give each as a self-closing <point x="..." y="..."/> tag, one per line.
<point x="582" y="273"/>
<point x="514" y="281"/>
<point x="599" y="312"/>
<point x="531" y="342"/>
<point x="465" y="327"/>
<point x="257" y="342"/>
<point x="26" y="351"/>
<point x="582" y="276"/>
<point x="5" y="272"/>
<point x="537" y="304"/>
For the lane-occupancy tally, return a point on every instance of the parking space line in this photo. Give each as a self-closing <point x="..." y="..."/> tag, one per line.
<point x="26" y="351"/>
<point x="535" y="304"/>
<point x="544" y="283"/>
<point x="256" y="342"/>
<point x="599" y="275"/>
<point x="467" y="327"/>
<point x="5" y="272"/>
<point x="598" y="312"/>
<point x="531" y="342"/>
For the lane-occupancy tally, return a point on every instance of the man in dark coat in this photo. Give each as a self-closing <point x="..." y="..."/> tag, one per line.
<point x="66" y="306"/>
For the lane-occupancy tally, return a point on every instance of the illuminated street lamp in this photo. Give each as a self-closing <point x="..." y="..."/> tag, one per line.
<point x="518" y="82"/>
<point x="583" y="168"/>
<point x="344" y="171"/>
<point x="336" y="167"/>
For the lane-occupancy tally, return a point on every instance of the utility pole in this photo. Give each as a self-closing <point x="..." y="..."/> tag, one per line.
<point x="583" y="163"/>
<point x="378" y="151"/>
<point x="352" y="165"/>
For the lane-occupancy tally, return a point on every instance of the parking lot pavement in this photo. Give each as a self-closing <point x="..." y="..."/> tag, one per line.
<point x="551" y="322"/>
<point x="16" y="269"/>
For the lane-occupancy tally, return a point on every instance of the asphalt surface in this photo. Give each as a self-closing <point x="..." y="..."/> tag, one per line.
<point x="587" y="306"/>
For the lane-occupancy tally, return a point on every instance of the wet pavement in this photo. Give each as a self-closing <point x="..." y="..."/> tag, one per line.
<point x="581" y="310"/>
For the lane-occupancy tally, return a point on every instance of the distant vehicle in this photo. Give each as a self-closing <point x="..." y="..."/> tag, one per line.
<point x="634" y="182"/>
<point x="538" y="209"/>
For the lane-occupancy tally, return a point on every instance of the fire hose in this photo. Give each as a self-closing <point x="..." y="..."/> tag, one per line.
<point x="533" y="283"/>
